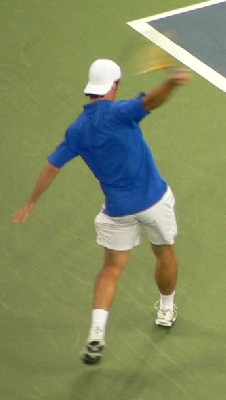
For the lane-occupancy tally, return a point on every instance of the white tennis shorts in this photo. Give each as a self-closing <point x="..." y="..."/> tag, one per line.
<point x="123" y="233"/>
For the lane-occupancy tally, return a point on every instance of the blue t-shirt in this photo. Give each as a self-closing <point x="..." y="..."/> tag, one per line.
<point x="108" y="138"/>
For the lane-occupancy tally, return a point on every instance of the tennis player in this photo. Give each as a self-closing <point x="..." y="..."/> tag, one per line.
<point x="108" y="137"/>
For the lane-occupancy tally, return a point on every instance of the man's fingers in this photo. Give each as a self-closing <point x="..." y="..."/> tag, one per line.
<point x="22" y="214"/>
<point x="18" y="216"/>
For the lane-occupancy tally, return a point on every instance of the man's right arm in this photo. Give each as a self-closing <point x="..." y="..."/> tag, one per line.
<point x="45" y="178"/>
<point x="156" y="97"/>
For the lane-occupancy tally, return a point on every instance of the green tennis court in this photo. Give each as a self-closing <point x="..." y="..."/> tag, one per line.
<point x="49" y="264"/>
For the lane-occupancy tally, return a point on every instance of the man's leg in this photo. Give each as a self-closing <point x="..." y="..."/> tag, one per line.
<point x="166" y="268"/>
<point x="166" y="278"/>
<point x="106" y="282"/>
<point x="104" y="294"/>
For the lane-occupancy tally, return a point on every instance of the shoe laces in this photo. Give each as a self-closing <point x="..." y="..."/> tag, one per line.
<point x="96" y="335"/>
<point x="157" y="307"/>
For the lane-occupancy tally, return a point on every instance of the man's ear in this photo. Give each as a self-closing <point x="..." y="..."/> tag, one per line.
<point x="115" y="85"/>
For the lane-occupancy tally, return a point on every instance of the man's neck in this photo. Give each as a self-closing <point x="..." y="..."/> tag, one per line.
<point x="111" y="95"/>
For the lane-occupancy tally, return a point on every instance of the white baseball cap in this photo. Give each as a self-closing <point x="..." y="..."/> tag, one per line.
<point x="102" y="74"/>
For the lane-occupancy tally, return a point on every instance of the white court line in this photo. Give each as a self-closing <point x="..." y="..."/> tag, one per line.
<point x="181" y="10"/>
<point x="142" y="26"/>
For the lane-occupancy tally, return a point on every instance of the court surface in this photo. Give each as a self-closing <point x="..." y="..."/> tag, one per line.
<point x="183" y="33"/>
<point x="49" y="264"/>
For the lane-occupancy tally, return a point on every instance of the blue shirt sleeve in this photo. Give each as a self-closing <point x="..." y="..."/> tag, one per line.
<point x="65" y="151"/>
<point x="130" y="110"/>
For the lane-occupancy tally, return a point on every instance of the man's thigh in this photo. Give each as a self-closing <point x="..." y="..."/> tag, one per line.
<point x="159" y="221"/>
<point x="117" y="233"/>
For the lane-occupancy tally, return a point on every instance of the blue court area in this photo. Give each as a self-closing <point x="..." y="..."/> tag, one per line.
<point x="48" y="266"/>
<point x="202" y="32"/>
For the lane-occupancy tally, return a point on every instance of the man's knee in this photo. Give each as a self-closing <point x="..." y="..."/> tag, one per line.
<point x="116" y="260"/>
<point x="164" y="251"/>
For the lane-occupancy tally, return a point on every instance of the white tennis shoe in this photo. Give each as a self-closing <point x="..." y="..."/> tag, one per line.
<point x="165" y="318"/>
<point x="93" y="350"/>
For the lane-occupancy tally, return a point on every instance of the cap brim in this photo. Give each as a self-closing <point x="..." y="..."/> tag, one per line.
<point x="98" y="89"/>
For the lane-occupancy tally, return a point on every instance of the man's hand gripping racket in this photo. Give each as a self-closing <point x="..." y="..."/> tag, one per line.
<point x="145" y="56"/>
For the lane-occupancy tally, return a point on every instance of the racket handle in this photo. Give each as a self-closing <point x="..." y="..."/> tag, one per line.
<point x="179" y="70"/>
<point x="180" y="75"/>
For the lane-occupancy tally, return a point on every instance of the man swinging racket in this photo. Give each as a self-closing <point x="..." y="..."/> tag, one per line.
<point x="108" y="137"/>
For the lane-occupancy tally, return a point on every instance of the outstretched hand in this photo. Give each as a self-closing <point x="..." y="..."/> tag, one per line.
<point x="22" y="215"/>
<point x="45" y="178"/>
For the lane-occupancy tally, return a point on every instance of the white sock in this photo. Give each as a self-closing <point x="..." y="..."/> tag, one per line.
<point x="99" y="319"/>
<point x="166" y="302"/>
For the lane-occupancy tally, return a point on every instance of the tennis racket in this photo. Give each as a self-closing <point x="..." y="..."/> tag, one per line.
<point x="143" y="56"/>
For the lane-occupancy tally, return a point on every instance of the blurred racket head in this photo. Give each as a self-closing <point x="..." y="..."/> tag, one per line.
<point x="152" y="58"/>
<point x="141" y="56"/>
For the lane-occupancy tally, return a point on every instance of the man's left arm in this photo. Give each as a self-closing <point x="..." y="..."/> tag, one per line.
<point x="45" y="178"/>
<point x="65" y="152"/>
